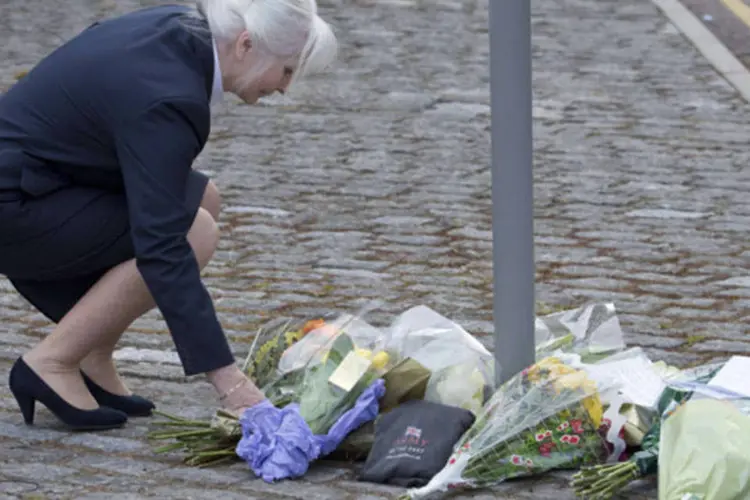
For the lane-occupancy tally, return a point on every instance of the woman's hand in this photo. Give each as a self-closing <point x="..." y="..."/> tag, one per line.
<point x="236" y="391"/>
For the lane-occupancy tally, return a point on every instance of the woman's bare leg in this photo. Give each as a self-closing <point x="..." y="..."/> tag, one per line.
<point x="98" y="364"/>
<point x="98" y="320"/>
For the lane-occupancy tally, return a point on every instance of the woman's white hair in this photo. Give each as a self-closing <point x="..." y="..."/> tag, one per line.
<point x="280" y="30"/>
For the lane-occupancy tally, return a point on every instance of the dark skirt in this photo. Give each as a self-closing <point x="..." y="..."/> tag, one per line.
<point x="54" y="248"/>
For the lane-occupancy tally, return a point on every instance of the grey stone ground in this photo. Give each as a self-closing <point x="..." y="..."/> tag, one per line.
<point x="375" y="183"/>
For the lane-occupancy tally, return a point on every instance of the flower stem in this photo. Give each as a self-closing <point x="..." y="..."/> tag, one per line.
<point x="174" y="417"/>
<point x="604" y="481"/>
<point x="169" y="447"/>
<point x="185" y="423"/>
<point x="217" y="461"/>
<point x="211" y="457"/>
<point x="181" y="434"/>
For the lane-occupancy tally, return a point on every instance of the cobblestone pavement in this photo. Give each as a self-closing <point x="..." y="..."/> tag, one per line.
<point x="375" y="183"/>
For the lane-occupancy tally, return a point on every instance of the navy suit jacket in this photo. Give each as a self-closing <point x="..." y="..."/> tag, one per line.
<point x="126" y="104"/>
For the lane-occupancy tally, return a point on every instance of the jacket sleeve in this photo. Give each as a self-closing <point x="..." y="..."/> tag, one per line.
<point x="156" y="149"/>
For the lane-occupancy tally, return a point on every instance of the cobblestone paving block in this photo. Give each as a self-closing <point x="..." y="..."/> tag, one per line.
<point x="374" y="183"/>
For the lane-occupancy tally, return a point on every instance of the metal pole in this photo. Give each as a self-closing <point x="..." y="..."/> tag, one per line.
<point x="512" y="185"/>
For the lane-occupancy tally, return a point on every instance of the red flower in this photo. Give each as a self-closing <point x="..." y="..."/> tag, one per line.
<point x="546" y="448"/>
<point x="540" y="437"/>
<point x="577" y="426"/>
<point x="565" y="438"/>
<point x="574" y="439"/>
<point x="516" y="460"/>
<point x="452" y="461"/>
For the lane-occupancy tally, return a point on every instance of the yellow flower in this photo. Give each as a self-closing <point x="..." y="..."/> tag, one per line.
<point x="576" y="379"/>
<point x="380" y="360"/>
<point x="548" y="362"/>
<point x="558" y="371"/>
<point x="594" y="408"/>
<point x="533" y="374"/>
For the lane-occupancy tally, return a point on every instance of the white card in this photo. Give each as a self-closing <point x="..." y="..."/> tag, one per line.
<point x="350" y="371"/>
<point x="639" y="383"/>
<point x="734" y="376"/>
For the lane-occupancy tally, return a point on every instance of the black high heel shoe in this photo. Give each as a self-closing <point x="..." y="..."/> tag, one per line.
<point x="28" y="388"/>
<point x="134" y="406"/>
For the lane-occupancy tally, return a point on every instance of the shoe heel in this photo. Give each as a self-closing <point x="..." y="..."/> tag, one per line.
<point x="26" y="404"/>
<point x="28" y="388"/>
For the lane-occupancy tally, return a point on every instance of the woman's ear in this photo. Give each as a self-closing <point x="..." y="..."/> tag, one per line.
<point x="243" y="46"/>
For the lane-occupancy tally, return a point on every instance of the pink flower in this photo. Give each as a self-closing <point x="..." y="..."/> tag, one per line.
<point x="574" y="439"/>
<point x="565" y="438"/>
<point x="540" y="437"/>
<point x="577" y="426"/>
<point x="546" y="448"/>
<point x="516" y="460"/>
<point x="563" y="426"/>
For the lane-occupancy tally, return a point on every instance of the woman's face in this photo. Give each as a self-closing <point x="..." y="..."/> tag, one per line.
<point x="274" y="79"/>
<point x="246" y="60"/>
